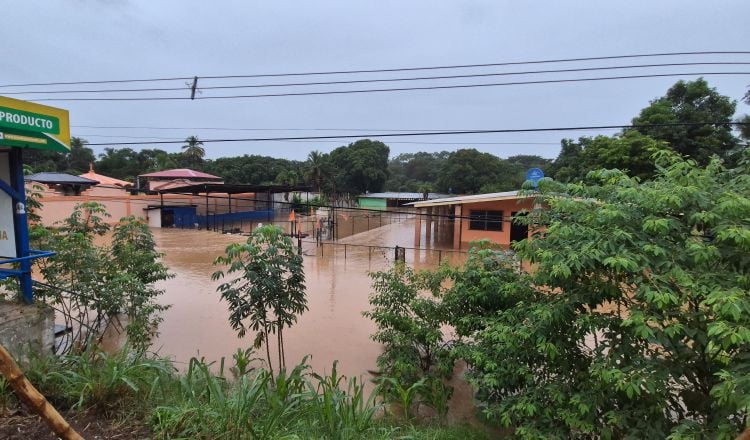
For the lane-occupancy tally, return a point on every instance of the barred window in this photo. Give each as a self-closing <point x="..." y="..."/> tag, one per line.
<point x="486" y="220"/>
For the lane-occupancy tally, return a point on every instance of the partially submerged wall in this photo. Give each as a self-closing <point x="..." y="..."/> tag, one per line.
<point x="27" y="327"/>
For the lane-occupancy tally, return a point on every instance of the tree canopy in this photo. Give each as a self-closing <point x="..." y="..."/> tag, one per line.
<point x="704" y="111"/>
<point x="692" y="102"/>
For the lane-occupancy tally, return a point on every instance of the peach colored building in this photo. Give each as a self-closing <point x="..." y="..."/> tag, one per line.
<point x="461" y="220"/>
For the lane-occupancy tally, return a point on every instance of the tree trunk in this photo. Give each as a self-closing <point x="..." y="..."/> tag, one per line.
<point x="33" y="398"/>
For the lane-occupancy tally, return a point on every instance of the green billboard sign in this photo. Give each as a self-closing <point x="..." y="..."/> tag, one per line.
<point x="30" y="125"/>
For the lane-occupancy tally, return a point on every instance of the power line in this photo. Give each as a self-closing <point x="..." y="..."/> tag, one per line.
<point x="360" y="81"/>
<point x="439" y="133"/>
<point x="305" y="141"/>
<point x="400" y="69"/>
<point x="398" y="89"/>
<point x="129" y="127"/>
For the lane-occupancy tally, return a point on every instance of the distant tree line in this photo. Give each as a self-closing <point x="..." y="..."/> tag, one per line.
<point x="364" y="165"/>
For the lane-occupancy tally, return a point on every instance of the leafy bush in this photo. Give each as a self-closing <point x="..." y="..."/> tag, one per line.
<point x="108" y="280"/>
<point x="635" y="321"/>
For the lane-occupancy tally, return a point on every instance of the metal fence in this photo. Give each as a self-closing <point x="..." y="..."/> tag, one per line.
<point x="344" y="252"/>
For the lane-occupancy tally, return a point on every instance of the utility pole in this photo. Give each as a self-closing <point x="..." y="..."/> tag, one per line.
<point x="192" y="88"/>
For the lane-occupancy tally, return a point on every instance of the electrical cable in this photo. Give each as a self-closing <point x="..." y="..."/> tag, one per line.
<point x="436" y="133"/>
<point x="401" y="69"/>
<point x="361" y="81"/>
<point x="396" y="89"/>
<point x="303" y="141"/>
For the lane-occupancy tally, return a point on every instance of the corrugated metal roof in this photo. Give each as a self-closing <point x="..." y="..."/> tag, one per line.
<point x="181" y="173"/>
<point x="489" y="197"/>
<point x="401" y="195"/>
<point x="59" y="179"/>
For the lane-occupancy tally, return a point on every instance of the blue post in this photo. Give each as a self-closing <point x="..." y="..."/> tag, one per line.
<point x="21" y="225"/>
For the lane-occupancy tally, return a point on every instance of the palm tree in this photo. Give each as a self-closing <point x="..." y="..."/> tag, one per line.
<point x="193" y="150"/>
<point x="316" y="168"/>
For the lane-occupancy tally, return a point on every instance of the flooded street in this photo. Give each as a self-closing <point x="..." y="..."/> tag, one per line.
<point x="338" y="286"/>
<point x="337" y="282"/>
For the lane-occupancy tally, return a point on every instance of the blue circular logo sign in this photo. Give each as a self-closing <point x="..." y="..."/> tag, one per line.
<point x="535" y="175"/>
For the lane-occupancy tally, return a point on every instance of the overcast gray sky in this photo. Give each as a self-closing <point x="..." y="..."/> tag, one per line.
<point x="46" y="41"/>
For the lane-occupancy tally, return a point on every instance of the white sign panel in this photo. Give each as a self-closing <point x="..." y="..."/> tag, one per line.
<point x="7" y="233"/>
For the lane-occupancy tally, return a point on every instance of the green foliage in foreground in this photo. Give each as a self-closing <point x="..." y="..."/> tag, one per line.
<point x="635" y="322"/>
<point x="202" y="403"/>
<point x="110" y="280"/>
<point x="264" y="287"/>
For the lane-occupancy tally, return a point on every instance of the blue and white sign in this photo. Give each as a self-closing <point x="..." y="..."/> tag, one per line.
<point x="535" y="175"/>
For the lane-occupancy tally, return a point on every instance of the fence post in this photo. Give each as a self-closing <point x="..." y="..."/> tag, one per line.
<point x="399" y="254"/>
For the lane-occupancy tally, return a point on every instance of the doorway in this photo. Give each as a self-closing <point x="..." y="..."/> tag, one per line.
<point x="518" y="231"/>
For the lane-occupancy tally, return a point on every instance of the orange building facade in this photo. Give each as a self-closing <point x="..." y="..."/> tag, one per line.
<point x="461" y="220"/>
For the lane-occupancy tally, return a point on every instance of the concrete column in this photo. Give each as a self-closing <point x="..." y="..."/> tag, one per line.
<point x="457" y="227"/>
<point x="428" y="226"/>
<point x="418" y="228"/>
<point x="436" y="228"/>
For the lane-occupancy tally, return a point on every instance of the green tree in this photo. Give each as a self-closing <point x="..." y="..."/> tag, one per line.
<point x="360" y="166"/>
<point x="120" y="163"/>
<point x="634" y="323"/>
<point x="80" y="156"/>
<point x="193" y="150"/>
<point x="468" y="170"/>
<point x="268" y="292"/>
<point x="75" y="162"/>
<point x="416" y="358"/>
<point x="693" y="102"/>
<point x="138" y="268"/>
<point x="250" y="169"/>
<point x="107" y="281"/>
<point x="316" y="169"/>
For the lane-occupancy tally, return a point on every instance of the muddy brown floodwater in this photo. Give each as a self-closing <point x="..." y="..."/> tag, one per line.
<point x="338" y="286"/>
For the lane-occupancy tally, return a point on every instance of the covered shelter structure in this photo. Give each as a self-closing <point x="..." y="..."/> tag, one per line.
<point x="66" y="184"/>
<point x="223" y="203"/>
<point x="463" y="219"/>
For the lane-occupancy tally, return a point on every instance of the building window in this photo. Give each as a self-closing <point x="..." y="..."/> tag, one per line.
<point x="486" y="220"/>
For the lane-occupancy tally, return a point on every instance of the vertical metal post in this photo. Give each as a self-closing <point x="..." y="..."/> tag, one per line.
<point x="21" y="225"/>
<point x="344" y="252"/>
<point x="206" y="210"/>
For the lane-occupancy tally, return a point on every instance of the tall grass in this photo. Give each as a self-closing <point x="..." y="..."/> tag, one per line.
<point x="96" y="380"/>
<point x="202" y="403"/>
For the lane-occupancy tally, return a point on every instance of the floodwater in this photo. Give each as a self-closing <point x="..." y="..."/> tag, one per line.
<point x="338" y="286"/>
